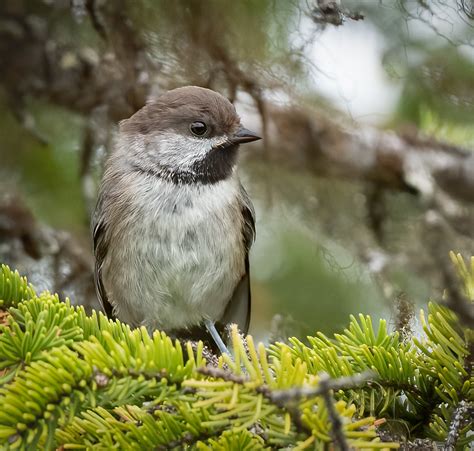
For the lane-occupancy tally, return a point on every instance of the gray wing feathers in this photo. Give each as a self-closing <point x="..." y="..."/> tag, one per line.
<point x="100" y="249"/>
<point x="248" y="213"/>
<point x="238" y="308"/>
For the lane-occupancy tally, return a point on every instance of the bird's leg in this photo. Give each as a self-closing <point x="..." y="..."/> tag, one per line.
<point x="211" y="327"/>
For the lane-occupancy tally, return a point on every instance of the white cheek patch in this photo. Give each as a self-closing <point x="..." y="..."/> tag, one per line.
<point x="178" y="151"/>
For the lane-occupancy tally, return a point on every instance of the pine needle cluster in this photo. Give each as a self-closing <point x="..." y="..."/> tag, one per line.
<point x="70" y="380"/>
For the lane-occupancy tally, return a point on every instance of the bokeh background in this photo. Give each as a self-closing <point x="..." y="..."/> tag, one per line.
<point x="365" y="179"/>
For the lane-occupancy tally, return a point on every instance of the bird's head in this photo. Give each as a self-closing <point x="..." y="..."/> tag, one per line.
<point x="189" y="134"/>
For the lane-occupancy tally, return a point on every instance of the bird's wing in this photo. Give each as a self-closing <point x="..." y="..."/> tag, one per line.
<point x="100" y="250"/>
<point x="238" y="308"/>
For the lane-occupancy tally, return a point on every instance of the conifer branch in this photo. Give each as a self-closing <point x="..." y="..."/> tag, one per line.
<point x="76" y="380"/>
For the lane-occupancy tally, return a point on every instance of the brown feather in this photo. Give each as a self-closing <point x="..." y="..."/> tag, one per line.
<point x="181" y="106"/>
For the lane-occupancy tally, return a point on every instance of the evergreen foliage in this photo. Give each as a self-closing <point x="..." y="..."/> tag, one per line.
<point x="81" y="381"/>
<point x="13" y="288"/>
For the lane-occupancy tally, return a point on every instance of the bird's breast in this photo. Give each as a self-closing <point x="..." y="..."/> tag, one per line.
<point x="185" y="253"/>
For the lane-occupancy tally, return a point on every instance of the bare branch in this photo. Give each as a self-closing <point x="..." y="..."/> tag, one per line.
<point x="440" y="173"/>
<point x="280" y="397"/>
<point x="337" y="432"/>
<point x="460" y="416"/>
<point x="222" y="374"/>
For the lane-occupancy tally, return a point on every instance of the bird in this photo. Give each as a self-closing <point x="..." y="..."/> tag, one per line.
<point x="173" y="225"/>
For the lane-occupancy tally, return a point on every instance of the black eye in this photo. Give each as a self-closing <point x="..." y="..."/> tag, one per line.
<point x="198" y="128"/>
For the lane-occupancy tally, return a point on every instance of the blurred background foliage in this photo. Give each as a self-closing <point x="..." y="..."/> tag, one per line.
<point x="72" y="69"/>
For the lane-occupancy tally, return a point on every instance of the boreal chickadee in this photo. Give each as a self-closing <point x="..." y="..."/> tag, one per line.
<point x="173" y="225"/>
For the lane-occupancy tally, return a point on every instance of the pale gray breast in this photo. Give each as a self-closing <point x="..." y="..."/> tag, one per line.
<point x="175" y="248"/>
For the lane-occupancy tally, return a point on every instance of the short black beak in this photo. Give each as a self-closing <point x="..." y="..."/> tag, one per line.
<point x="243" y="136"/>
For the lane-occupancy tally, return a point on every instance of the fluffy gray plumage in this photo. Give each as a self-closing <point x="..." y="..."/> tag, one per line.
<point x="173" y="225"/>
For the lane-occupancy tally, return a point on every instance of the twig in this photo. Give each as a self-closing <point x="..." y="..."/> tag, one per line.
<point x="457" y="421"/>
<point x="287" y="398"/>
<point x="222" y="374"/>
<point x="337" y="432"/>
<point x="266" y="391"/>
<point x="280" y="397"/>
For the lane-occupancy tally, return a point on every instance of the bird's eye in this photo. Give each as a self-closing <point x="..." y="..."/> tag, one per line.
<point x="198" y="128"/>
